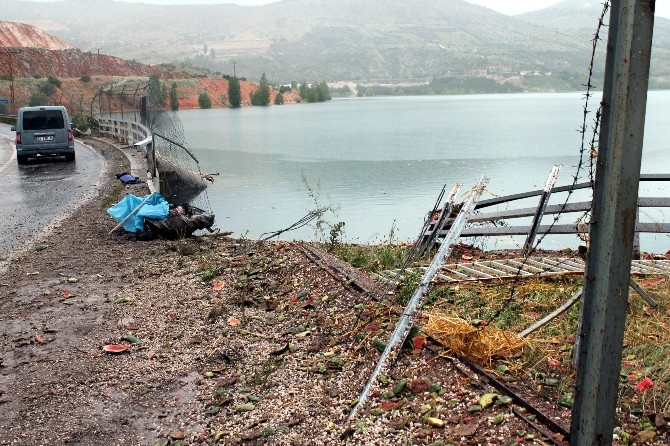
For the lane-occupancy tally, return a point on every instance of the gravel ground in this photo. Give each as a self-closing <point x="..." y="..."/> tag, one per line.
<point x="228" y="342"/>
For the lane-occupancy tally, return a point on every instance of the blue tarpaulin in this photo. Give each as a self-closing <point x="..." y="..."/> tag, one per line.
<point x="156" y="207"/>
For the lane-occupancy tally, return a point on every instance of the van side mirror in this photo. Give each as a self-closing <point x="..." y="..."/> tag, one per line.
<point x="13" y="128"/>
<point x="72" y="126"/>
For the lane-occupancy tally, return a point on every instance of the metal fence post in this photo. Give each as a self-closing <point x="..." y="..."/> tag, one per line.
<point x="607" y="273"/>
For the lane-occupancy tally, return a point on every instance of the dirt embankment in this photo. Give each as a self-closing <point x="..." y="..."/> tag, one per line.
<point x="22" y="35"/>
<point x="33" y="55"/>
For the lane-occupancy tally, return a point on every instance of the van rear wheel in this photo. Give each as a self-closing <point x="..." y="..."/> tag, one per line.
<point x="69" y="157"/>
<point x="22" y="159"/>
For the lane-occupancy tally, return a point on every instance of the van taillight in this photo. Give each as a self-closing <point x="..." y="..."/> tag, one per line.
<point x="69" y="136"/>
<point x="18" y="137"/>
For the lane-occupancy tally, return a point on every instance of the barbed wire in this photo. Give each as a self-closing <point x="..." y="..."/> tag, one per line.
<point x="586" y="146"/>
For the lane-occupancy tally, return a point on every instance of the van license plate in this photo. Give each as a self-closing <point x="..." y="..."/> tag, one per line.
<point x="44" y="138"/>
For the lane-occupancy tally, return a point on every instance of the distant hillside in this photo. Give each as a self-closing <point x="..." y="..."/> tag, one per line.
<point x="81" y="76"/>
<point x="582" y="17"/>
<point x="317" y="39"/>
<point x="352" y="40"/>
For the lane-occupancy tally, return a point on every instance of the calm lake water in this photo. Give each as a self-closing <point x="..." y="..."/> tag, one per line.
<point x="382" y="161"/>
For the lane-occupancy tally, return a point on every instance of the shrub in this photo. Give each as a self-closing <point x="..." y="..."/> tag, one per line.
<point x="85" y="78"/>
<point x="54" y="81"/>
<point x="279" y="99"/>
<point x="47" y="88"/>
<point x="204" y="101"/>
<point x="38" y="98"/>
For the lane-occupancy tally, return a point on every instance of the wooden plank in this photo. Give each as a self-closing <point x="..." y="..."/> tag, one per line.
<point x="523" y="265"/>
<point x="529" y="212"/>
<point x="506" y="199"/>
<point x="655" y="265"/>
<point x="577" y="263"/>
<point x="561" y="264"/>
<point x="486" y="267"/>
<point x="475" y="272"/>
<point x="649" y="267"/>
<point x="457" y="273"/>
<point x="538" y="263"/>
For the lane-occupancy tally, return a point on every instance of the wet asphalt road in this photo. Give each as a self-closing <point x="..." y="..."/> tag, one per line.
<point x="34" y="195"/>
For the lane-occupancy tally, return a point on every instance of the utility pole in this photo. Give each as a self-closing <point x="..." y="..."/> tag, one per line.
<point x="607" y="275"/>
<point x="10" y="52"/>
<point x="234" y="75"/>
<point x="98" y="61"/>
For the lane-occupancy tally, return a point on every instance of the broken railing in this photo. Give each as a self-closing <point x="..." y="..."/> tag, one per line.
<point x="407" y="318"/>
<point x="497" y="223"/>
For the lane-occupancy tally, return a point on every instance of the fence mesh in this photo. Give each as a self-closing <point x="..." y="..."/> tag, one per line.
<point x="181" y="179"/>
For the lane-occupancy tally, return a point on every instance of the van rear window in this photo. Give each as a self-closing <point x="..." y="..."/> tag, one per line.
<point x="43" y="120"/>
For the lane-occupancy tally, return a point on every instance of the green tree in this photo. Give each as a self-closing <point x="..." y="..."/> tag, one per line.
<point x="262" y="95"/>
<point x="155" y="92"/>
<point x="174" y="98"/>
<point x="234" y="94"/>
<point x="54" y="81"/>
<point x="279" y="99"/>
<point x="204" y="101"/>
<point x="47" y="88"/>
<point x="323" y="91"/>
<point x="38" y="98"/>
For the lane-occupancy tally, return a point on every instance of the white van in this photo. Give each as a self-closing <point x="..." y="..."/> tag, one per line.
<point x="43" y="131"/>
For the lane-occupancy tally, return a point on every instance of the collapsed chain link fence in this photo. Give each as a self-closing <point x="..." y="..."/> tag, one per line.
<point x="181" y="178"/>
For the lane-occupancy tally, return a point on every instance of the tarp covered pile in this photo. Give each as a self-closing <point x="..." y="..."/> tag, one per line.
<point x="132" y="208"/>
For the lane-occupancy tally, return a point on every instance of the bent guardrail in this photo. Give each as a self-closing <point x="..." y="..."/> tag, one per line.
<point x="133" y="134"/>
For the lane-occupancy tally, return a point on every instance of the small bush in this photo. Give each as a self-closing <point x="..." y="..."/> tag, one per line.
<point x="81" y="122"/>
<point x="85" y="78"/>
<point x="47" y="88"/>
<point x="54" y="81"/>
<point x="204" y="101"/>
<point x="38" y="98"/>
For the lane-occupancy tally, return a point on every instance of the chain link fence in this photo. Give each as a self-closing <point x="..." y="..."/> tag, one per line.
<point x="178" y="170"/>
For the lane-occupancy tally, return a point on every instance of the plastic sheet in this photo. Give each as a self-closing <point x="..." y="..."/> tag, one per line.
<point x="156" y="207"/>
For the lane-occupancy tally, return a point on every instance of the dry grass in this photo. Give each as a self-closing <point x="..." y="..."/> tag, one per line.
<point x="547" y="357"/>
<point x="475" y="341"/>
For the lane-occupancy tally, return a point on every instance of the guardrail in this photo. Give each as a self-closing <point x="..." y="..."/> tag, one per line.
<point x="133" y="134"/>
<point x="129" y="132"/>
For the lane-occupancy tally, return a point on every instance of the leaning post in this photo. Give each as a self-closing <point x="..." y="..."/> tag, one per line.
<point x="606" y="278"/>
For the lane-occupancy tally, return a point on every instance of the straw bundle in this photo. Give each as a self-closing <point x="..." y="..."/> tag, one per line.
<point x="476" y="343"/>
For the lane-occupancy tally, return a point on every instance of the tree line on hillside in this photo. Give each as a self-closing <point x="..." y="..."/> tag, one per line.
<point x="157" y="93"/>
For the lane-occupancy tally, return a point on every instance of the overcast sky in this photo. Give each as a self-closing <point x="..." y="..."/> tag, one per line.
<point x="505" y="7"/>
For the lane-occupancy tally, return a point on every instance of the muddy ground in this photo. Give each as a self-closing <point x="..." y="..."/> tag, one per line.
<point x="227" y="342"/>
